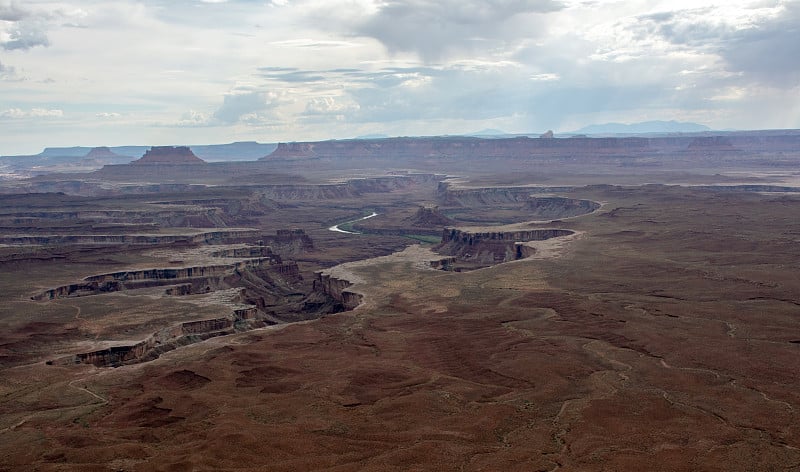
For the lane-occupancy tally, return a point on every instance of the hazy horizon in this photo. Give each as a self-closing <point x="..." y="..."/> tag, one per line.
<point x="154" y="72"/>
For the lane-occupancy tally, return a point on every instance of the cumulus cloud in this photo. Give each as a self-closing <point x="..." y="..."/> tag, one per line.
<point x="22" y="27"/>
<point x="246" y="105"/>
<point x="435" y="29"/>
<point x="328" y="106"/>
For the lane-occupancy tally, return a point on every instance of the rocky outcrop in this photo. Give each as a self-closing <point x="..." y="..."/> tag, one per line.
<point x="169" y="155"/>
<point x="493" y="247"/>
<point x="167" y="339"/>
<point x="541" y="207"/>
<point x="258" y="251"/>
<point x="429" y="216"/>
<point x="336" y="288"/>
<point x="551" y="208"/>
<point x="445" y="263"/>
<point x="101" y="153"/>
<point x="353" y="188"/>
<point x="290" y="242"/>
<point x="199" y="279"/>
<point x="470" y="197"/>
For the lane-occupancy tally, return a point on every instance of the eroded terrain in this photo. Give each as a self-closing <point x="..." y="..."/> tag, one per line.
<point x="486" y="322"/>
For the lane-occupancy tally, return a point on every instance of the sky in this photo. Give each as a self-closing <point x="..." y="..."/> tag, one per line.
<point x="157" y="72"/>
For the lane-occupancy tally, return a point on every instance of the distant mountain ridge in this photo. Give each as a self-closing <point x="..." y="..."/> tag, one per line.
<point x="644" y="128"/>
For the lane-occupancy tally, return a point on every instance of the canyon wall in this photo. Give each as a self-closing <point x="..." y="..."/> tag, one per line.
<point x="532" y="199"/>
<point x="210" y="237"/>
<point x="196" y="279"/>
<point x="170" y="338"/>
<point x="493" y="247"/>
<point x="336" y="288"/>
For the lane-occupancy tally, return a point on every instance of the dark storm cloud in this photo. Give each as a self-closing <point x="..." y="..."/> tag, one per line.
<point x="764" y="51"/>
<point x="12" y="11"/>
<point x="434" y="29"/>
<point x="770" y="51"/>
<point x="26" y="35"/>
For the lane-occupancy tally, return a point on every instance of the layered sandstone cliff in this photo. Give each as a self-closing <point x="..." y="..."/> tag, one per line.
<point x="493" y="247"/>
<point x="196" y="279"/>
<point x="336" y="288"/>
<point x="167" y="339"/>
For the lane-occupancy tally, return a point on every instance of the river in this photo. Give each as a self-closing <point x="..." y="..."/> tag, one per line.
<point x="339" y="230"/>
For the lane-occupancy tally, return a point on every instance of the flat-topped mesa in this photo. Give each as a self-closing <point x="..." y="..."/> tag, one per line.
<point x="493" y="247"/>
<point x="292" y="151"/>
<point x="546" y="146"/>
<point x="169" y="155"/>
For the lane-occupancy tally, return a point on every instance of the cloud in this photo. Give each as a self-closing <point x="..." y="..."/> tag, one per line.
<point x="26" y="35"/>
<point x="7" y="72"/>
<point x="328" y="106"/>
<point x="437" y="29"/>
<point x="245" y="105"/>
<point x="768" y="52"/>
<point x="760" y="41"/>
<point x="22" y="27"/>
<point x="18" y="113"/>
<point x="12" y="11"/>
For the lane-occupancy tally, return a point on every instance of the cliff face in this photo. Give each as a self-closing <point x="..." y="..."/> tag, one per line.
<point x="189" y="279"/>
<point x="540" y="207"/>
<point x="291" y="242"/>
<point x="523" y="147"/>
<point x="551" y="208"/>
<point x="170" y="338"/>
<point x="350" y="189"/>
<point x="492" y="247"/>
<point x="211" y="237"/>
<point x="429" y="216"/>
<point x="169" y="155"/>
<point x="337" y="289"/>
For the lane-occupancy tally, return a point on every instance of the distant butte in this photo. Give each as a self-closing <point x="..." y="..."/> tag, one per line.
<point x="169" y="155"/>
<point x="102" y="152"/>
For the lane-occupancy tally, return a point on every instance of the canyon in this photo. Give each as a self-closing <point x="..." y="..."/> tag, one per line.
<point x="524" y="304"/>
